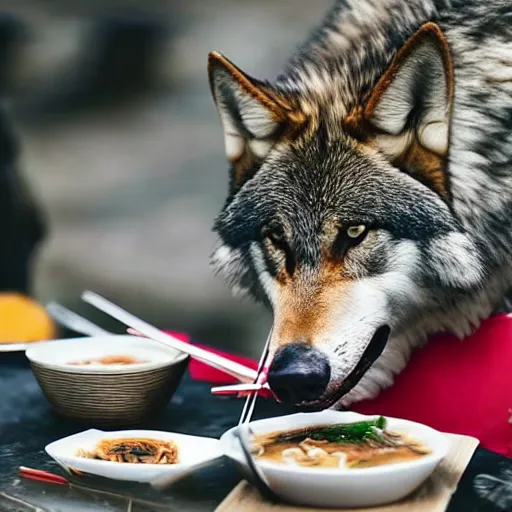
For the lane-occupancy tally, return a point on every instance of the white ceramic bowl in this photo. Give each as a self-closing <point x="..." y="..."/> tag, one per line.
<point x="337" y="488"/>
<point x="193" y="451"/>
<point x="121" y="395"/>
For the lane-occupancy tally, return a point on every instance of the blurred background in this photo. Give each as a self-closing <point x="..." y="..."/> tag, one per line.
<point x="123" y="151"/>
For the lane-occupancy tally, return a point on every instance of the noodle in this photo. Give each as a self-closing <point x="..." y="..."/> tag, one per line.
<point x="135" y="451"/>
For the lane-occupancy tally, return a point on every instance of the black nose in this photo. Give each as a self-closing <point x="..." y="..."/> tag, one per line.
<point x="299" y="373"/>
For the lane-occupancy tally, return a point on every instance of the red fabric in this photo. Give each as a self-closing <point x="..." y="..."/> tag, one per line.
<point x="463" y="387"/>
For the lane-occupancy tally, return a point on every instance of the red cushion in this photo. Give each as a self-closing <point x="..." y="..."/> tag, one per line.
<point x="463" y="387"/>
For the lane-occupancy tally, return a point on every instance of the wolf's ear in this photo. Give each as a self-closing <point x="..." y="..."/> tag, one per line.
<point x="410" y="108"/>
<point x="253" y="116"/>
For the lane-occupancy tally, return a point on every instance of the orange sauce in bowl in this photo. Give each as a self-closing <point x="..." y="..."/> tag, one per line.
<point x="107" y="360"/>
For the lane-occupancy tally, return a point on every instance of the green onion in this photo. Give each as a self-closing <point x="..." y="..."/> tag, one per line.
<point x="343" y="433"/>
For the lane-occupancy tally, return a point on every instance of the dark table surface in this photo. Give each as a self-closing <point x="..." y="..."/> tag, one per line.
<point x="28" y="424"/>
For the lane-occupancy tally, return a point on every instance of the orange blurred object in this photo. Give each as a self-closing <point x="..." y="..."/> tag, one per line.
<point x="23" y="320"/>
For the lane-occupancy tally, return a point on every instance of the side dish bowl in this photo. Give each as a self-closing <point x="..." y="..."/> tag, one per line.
<point x="193" y="451"/>
<point x="107" y="394"/>
<point x="341" y="487"/>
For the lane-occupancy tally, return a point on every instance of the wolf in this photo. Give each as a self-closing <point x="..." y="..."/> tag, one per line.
<point x="370" y="190"/>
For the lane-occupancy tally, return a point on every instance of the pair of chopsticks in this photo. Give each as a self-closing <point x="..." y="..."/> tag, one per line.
<point x="250" y="401"/>
<point x="243" y="433"/>
<point x="252" y="382"/>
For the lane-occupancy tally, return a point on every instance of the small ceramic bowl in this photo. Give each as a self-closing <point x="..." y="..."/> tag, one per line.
<point x="341" y="487"/>
<point x="107" y="395"/>
<point x="193" y="452"/>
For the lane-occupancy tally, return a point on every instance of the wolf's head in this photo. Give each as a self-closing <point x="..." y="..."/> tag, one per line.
<point x="341" y="221"/>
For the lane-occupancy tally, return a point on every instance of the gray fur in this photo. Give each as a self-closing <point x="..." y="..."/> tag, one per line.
<point x="439" y="264"/>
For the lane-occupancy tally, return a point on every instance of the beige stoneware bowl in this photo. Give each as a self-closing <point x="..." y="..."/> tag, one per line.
<point x="107" y="395"/>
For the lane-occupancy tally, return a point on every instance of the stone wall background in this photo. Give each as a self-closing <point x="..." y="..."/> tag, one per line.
<point x="130" y="191"/>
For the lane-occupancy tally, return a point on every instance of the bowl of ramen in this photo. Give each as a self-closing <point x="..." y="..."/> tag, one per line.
<point x="107" y="380"/>
<point x="335" y="459"/>
<point x="134" y="455"/>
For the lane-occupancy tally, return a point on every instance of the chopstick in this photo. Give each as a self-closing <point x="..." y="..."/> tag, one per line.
<point x="239" y="371"/>
<point x="239" y="390"/>
<point x="72" y="321"/>
<point x="42" y="476"/>
<point x="236" y="389"/>
<point x="250" y="402"/>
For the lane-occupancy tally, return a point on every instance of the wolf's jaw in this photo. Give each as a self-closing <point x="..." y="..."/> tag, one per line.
<point x="370" y="355"/>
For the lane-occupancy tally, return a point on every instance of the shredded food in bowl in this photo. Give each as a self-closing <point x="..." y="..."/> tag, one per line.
<point x="135" y="451"/>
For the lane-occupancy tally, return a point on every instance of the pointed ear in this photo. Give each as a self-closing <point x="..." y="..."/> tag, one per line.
<point x="410" y="108"/>
<point x="253" y="116"/>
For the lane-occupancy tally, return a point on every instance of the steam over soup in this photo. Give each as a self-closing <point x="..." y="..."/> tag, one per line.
<point x="352" y="445"/>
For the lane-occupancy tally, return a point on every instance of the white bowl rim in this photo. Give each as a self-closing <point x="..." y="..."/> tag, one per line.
<point x="34" y="355"/>
<point x="195" y="452"/>
<point x="439" y="452"/>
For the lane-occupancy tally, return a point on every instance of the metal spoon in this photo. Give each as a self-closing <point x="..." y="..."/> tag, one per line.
<point x="71" y="320"/>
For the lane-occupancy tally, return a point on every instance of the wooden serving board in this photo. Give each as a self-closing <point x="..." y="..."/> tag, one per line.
<point x="433" y="496"/>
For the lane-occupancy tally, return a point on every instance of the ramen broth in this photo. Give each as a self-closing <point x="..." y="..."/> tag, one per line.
<point x="309" y="448"/>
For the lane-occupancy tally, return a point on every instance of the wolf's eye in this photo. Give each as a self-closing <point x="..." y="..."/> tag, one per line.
<point x="356" y="231"/>
<point x="349" y="237"/>
<point x="277" y="248"/>
<point x="276" y="238"/>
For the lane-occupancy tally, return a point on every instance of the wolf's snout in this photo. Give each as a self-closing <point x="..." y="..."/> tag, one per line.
<point x="299" y="373"/>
